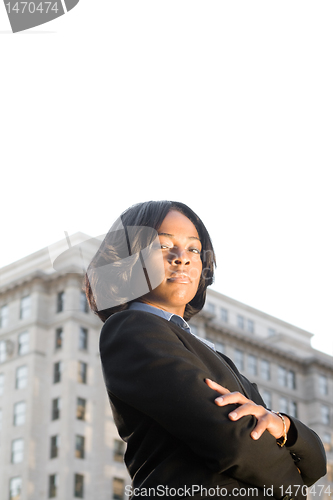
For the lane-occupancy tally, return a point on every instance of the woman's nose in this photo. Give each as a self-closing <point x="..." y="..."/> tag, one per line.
<point x="179" y="257"/>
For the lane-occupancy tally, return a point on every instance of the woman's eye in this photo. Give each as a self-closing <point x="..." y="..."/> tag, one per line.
<point x="169" y="247"/>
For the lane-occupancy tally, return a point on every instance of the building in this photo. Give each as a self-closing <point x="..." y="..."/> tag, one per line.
<point x="292" y="377"/>
<point x="57" y="436"/>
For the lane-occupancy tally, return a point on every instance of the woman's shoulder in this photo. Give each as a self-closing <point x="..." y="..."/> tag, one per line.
<point x="138" y="332"/>
<point x="133" y="321"/>
<point x="130" y="316"/>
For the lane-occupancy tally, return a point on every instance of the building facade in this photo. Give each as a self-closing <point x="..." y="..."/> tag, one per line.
<point x="57" y="435"/>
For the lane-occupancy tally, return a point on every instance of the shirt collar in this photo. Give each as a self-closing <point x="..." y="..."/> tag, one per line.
<point x="174" y="318"/>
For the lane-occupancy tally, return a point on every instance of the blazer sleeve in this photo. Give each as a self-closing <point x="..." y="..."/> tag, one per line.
<point x="308" y="452"/>
<point x="148" y="367"/>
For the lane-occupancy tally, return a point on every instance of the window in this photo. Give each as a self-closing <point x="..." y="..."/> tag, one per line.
<point x="291" y="379"/>
<point x="293" y="409"/>
<point x="3" y="351"/>
<point x="224" y="315"/>
<point x="58" y="338"/>
<point x="56" y="408"/>
<point x="327" y="440"/>
<point x="84" y="307"/>
<point x="271" y="332"/>
<point x="83" y="339"/>
<point x="79" y="446"/>
<point x="267" y="397"/>
<point x="82" y="372"/>
<point x="219" y="346"/>
<point x="60" y="301"/>
<point x="265" y="369"/>
<point x="289" y="407"/>
<point x="286" y="378"/>
<point x="25" y="307"/>
<point x="252" y="364"/>
<point x="19" y="413"/>
<point x="57" y="369"/>
<point x="54" y="446"/>
<point x="21" y="377"/>
<point x="327" y="437"/>
<point x="2" y="383"/>
<point x="240" y="321"/>
<point x="118" y="450"/>
<point x="211" y="308"/>
<point x="118" y="488"/>
<point x="323" y="385"/>
<point x="15" y="488"/>
<point x="78" y="486"/>
<point x="3" y="316"/>
<point x="17" y="451"/>
<point x="239" y="359"/>
<point x="250" y="326"/>
<point x="53" y="485"/>
<point x="282" y="376"/>
<point x="325" y="414"/>
<point x="80" y="409"/>
<point x="23" y="343"/>
<point x="283" y="407"/>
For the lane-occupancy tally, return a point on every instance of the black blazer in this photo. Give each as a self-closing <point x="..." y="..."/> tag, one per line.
<point x="176" y="435"/>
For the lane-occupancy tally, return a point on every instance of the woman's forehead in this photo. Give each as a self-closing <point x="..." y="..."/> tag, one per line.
<point x="175" y="224"/>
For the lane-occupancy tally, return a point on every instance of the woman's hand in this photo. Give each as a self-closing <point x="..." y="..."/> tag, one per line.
<point x="266" y="420"/>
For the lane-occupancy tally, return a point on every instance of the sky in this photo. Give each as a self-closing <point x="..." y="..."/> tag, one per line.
<point x="224" y="106"/>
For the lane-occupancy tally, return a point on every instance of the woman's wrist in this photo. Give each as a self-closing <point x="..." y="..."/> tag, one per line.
<point x="287" y="421"/>
<point x="281" y="437"/>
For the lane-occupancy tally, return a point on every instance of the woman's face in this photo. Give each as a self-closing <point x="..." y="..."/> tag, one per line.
<point x="180" y="247"/>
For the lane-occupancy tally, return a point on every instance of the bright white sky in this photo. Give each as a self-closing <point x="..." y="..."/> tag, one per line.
<point x="225" y="106"/>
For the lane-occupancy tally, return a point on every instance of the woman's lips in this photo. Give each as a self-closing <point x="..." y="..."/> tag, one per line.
<point x="180" y="278"/>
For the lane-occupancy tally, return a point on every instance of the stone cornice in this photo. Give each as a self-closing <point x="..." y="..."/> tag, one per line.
<point x="30" y="278"/>
<point x="315" y="357"/>
<point x="256" y="312"/>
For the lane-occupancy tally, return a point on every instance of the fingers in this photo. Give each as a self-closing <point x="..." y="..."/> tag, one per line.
<point x="265" y="419"/>
<point x="227" y="396"/>
<point x="260" y="427"/>
<point x="250" y="408"/>
<point x="217" y="387"/>
<point x="231" y="398"/>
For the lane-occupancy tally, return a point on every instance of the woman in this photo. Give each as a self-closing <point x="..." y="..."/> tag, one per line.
<point x="194" y="426"/>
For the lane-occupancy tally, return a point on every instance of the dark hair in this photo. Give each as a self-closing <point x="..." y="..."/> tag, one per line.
<point x="115" y="248"/>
